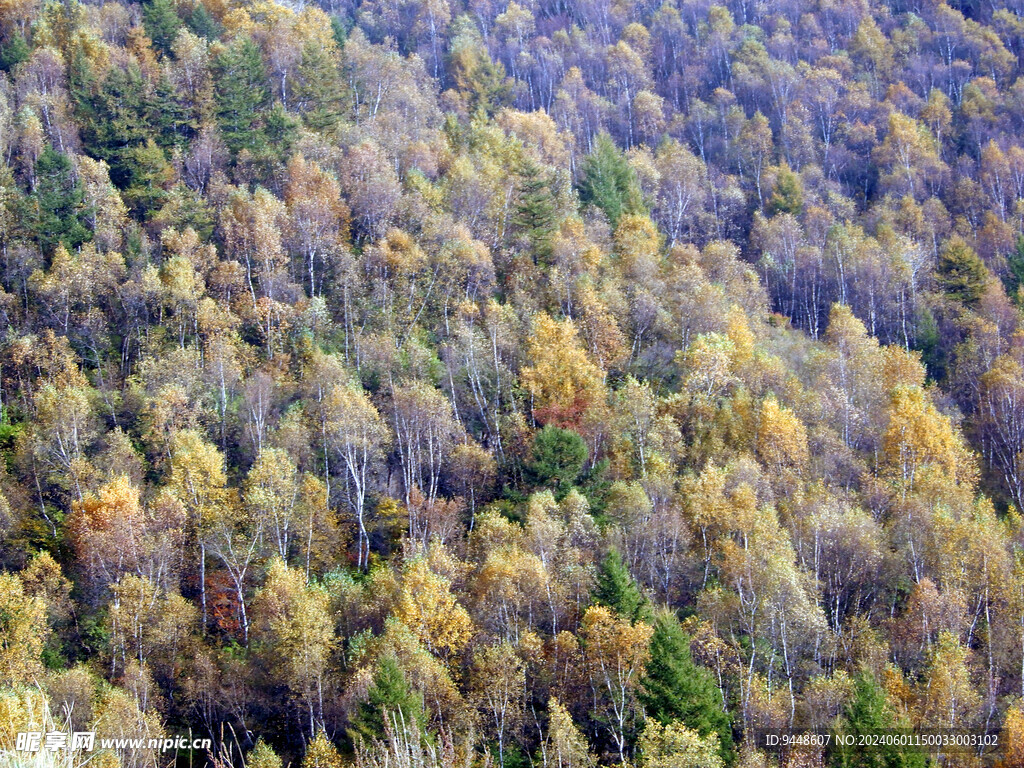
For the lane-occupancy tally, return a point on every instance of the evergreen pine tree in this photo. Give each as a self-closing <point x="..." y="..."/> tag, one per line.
<point x="203" y="24"/>
<point x="616" y="589"/>
<point x="13" y="51"/>
<point x="113" y="119"/>
<point x="161" y="23"/>
<point x="242" y="97"/>
<point x="280" y="130"/>
<point x="1014" y="278"/>
<point x="82" y="88"/>
<point x="787" y="194"/>
<point x="675" y="688"/>
<point x="321" y="91"/>
<point x="867" y="714"/>
<point x="558" y="458"/>
<point x="338" y="30"/>
<point x="608" y="182"/>
<point x="536" y="214"/>
<point x="172" y="121"/>
<point x="962" y="274"/>
<point x="389" y="696"/>
<point x="61" y="214"/>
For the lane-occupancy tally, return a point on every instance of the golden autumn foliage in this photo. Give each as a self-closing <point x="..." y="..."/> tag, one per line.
<point x="380" y="381"/>
<point x="427" y="606"/>
<point x="23" y="621"/>
<point x="561" y="379"/>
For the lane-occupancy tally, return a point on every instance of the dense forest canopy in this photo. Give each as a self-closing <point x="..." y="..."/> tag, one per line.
<point x="565" y="383"/>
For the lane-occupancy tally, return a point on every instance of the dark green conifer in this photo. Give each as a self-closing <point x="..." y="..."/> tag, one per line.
<point x="675" y="688"/>
<point x="242" y="97"/>
<point x="203" y="24"/>
<point x="869" y="714"/>
<point x="61" y="213"/>
<point x="321" y="91"/>
<point x="389" y="696"/>
<point x="161" y="23"/>
<point x="150" y="175"/>
<point x="536" y="214"/>
<point x="113" y="119"/>
<point x="280" y="132"/>
<point x="172" y="122"/>
<point x="608" y="182"/>
<point x="616" y="589"/>
<point x="558" y="458"/>
<point x="13" y="51"/>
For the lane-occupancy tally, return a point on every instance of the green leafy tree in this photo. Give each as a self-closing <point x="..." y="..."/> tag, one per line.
<point x="608" y="182"/>
<point x="61" y="212"/>
<point x="536" y="214"/>
<point x="242" y="97"/>
<point x="616" y="589"/>
<point x="674" y="688"/>
<point x="787" y="194"/>
<point x="557" y="460"/>
<point x="962" y="274"/>
<point x="389" y="696"/>
<point x="161" y="23"/>
<point x="13" y="51"/>
<point x="869" y="713"/>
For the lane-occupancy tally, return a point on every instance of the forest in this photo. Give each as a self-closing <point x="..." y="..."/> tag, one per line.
<point x="526" y="384"/>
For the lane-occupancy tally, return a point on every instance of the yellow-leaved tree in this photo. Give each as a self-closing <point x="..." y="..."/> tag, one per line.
<point x="199" y="481"/>
<point x="615" y="651"/>
<point x="781" y="438"/>
<point x="561" y="379"/>
<point x="676" y="746"/>
<point x="920" y="440"/>
<point x="293" y="626"/>
<point x="427" y="606"/>
<point x="22" y="632"/>
<point x="565" y="746"/>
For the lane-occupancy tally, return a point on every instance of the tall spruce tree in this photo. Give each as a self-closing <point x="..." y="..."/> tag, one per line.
<point x="388" y="696"/>
<point x="674" y="688"/>
<point x="867" y="714"/>
<point x="242" y="97"/>
<point x="161" y="23"/>
<point x="536" y="214"/>
<point x="113" y="118"/>
<point x="61" y="213"/>
<point x="172" y="121"/>
<point x="203" y="24"/>
<point x="608" y="182"/>
<point x="616" y="589"/>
